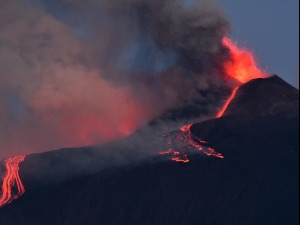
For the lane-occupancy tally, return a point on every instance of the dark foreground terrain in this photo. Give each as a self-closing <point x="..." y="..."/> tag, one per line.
<point x="256" y="184"/>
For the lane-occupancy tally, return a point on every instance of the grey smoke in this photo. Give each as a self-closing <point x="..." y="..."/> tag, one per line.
<point x="74" y="73"/>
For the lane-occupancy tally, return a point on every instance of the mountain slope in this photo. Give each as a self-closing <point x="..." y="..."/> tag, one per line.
<point x="256" y="183"/>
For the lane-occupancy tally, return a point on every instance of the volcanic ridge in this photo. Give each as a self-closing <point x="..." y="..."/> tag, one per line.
<point x="246" y="172"/>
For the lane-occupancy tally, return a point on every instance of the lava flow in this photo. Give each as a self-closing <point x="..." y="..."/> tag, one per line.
<point x="243" y="68"/>
<point x="225" y="106"/>
<point x="177" y="156"/>
<point x="198" y="143"/>
<point x="185" y="141"/>
<point x="12" y="180"/>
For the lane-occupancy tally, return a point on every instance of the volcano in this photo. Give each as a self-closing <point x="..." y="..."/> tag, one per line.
<point x="256" y="181"/>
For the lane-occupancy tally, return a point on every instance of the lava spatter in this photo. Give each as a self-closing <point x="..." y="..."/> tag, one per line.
<point x="12" y="187"/>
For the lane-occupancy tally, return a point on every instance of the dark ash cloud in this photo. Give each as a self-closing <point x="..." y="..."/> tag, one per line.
<point x="74" y="73"/>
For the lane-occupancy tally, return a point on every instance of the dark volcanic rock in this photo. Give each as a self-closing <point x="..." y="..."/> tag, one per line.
<point x="256" y="184"/>
<point x="262" y="97"/>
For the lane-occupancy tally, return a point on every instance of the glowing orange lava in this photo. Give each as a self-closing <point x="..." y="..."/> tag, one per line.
<point x="198" y="143"/>
<point x="180" y="157"/>
<point x="186" y="128"/>
<point x="176" y="156"/>
<point x="186" y="141"/>
<point x="11" y="180"/>
<point x="225" y="106"/>
<point x="242" y="65"/>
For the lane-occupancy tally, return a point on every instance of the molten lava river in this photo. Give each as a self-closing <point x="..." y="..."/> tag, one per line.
<point x="12" y="187"/>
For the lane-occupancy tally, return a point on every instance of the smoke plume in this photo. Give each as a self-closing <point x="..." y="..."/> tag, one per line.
<point x="76" y="73"/>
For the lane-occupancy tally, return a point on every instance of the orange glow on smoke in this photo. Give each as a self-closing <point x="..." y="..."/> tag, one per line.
<point x="225" y="106"/>
<point x="242" y="65"/>
<point x="11" y="180"/>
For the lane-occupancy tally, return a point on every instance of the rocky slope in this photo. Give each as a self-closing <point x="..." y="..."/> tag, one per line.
<point x="256" y="183"/>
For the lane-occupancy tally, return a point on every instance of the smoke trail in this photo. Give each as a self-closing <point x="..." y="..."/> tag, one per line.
<point x="75" y="74"/>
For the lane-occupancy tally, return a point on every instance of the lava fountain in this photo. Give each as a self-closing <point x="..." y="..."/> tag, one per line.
<point x="242" y="66"/>
<point x="12" y="180"/>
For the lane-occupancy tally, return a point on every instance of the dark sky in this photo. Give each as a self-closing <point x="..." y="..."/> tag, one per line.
<point x="271" y="29"/>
